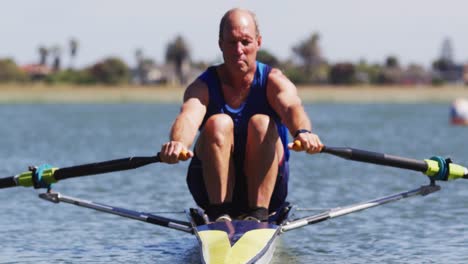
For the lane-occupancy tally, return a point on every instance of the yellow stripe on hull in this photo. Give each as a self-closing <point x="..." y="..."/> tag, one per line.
<point x="215" y="245"/>
<point x="217" y="249"/>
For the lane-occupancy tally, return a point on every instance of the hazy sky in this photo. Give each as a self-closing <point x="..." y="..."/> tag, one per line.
<point x="412" y="30"/>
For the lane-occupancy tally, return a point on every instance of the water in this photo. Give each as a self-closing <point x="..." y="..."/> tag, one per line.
<point x="430" y="229"/>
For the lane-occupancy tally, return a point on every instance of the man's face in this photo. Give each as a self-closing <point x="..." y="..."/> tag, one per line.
<point x="240" y="43"/>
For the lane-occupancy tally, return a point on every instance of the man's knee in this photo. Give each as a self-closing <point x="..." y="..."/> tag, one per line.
<point x="218" y="128"/>
<point x="219" y="121"/>
<point x="262" y="126"/>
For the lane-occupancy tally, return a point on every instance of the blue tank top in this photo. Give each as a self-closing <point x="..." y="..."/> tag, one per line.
<point x="255" y="103"/>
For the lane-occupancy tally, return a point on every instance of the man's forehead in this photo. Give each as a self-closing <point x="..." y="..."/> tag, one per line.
<point x="240" y="17"/>
<point x="244" y="20"/>
<point x="240" y="21"/>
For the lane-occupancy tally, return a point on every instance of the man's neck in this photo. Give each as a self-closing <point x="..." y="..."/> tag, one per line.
<point x="237" y="80"/>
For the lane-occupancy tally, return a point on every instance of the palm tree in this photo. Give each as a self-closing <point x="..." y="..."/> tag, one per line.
<point x="139" y="67"/>
<point x="73" y="44"/>
<point x="309" y="51"/>
<point x="43" y="54"/>
<point x="56" y="53"/>
<point x="177" y="52"/>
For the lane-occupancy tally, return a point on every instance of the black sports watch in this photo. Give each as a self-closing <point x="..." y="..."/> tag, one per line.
<point x="299" y="131"/>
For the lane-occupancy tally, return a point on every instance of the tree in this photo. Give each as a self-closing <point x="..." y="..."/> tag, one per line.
<point x="56" y="54"/>
<point x="367" y="73"/>
<point x="342" y="73"/>
<point x="43" y="54"/>
<point x="110" y="71"/>
<point x="392" y="62"/>
<point x="446" y="51"/>
<point x="9" y="71"/>
<point x="392" y="72"/>
<point x="73" y="45"/>
<point x="309" y="52"/>
<point x="139" y="66"/>
<point x="178" y="53"/>
<point x="267" y="57"/>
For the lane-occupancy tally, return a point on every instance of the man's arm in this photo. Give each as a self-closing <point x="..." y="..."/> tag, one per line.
<point x="283" y="98"/>
<point x="187" y="122"/>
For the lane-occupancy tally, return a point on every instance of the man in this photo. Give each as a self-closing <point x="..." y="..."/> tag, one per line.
<point x="243" y="110"/>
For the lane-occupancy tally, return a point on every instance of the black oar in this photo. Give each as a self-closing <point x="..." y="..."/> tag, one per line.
<point x="52" y="175"/>
<point x="436" y="167"/>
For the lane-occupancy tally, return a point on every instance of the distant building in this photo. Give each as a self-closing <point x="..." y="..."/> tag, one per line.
<point x="164" y="74"/>
<point x="450" y="73"/>
<point x="415" y="75"/>
<point x="36" y="71"/>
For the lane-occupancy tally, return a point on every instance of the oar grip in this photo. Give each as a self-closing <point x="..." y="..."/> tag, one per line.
<point x="296" y="146"/>
<point x="184" y="155"/>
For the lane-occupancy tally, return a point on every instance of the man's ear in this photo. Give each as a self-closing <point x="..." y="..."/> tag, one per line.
<point x="219" y="45"/>
<point x="259" y="41"/>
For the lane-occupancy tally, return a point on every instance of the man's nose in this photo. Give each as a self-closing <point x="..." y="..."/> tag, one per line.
<point x="239" y="48"/>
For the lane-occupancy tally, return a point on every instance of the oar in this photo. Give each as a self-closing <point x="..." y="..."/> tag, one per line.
<point x="52" y="175"/>
<point x="437" y="168"/>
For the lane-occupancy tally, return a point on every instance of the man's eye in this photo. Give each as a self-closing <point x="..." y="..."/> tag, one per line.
<point x="245" y="42"/>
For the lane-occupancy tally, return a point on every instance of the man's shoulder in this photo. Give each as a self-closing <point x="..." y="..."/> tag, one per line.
<point x="276" y="76"/>
<point x="198" y="89"/>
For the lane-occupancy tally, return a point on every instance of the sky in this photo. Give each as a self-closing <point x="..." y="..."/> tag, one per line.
<point x="350" y="30"/>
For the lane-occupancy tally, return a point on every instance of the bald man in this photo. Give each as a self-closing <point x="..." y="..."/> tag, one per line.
<point x="243" y="110"/>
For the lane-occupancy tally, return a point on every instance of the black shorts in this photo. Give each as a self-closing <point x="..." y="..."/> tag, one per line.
<point x="197" y="187"/>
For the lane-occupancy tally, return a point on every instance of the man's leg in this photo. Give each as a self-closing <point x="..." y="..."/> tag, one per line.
<point x="264" y="151"/>
<point x="214" y="149"/>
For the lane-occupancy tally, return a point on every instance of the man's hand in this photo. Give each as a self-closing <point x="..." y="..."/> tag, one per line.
<point x="308" y="142"/>
<point x="173" y="151"/>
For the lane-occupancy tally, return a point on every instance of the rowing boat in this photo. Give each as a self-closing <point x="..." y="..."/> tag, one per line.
<point x="237" y="241"/>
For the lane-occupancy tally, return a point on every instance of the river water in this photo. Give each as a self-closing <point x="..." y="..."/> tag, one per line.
<point x="431" y="229"/>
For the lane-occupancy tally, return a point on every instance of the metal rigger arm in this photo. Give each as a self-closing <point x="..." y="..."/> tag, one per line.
<point x="141" y="216"/>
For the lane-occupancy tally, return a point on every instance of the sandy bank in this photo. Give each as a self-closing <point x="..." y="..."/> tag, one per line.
<point x="103" y="94"/>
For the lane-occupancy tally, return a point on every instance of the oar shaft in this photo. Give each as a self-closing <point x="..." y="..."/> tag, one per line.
<point x="104" y="167"/>
<point x="26" y="179"/>
<point x="52" y="175"/>
<point x="7" y="182"/>
<point x="377" y="158"/>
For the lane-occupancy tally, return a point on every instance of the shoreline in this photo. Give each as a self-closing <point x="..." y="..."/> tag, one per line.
<point x="17" y="94"/>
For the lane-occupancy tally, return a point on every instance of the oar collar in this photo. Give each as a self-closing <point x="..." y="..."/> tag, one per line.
<point x="443" y="173"/>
